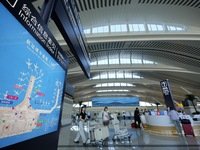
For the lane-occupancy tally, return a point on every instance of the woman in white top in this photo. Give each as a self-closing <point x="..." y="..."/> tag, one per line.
<point x="105" y="116"/>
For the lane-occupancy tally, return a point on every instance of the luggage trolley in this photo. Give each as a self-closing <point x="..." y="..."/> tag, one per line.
<point x="119" y="134"/>
<point x="97" y="134"/>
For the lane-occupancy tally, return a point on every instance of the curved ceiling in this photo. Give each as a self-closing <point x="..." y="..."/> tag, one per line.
<point x="177" y="54"/>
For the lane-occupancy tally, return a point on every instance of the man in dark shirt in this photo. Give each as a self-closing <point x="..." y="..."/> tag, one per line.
<point x="137" y="117"/>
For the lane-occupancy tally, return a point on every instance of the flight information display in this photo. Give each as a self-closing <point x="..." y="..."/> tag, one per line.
<point x="115" y="101"/>
<point x="31" y="84"/>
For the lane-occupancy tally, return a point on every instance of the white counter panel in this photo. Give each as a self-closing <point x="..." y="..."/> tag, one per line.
<point x="162" y="120"/>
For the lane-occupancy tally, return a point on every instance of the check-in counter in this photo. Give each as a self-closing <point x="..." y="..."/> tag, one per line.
<point x="159" y="124"/>
<point x="161" y="121"/>
<point x="162" y="124"/>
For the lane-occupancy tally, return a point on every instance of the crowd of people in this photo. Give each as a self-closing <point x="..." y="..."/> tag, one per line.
<point x="106" y="117"/>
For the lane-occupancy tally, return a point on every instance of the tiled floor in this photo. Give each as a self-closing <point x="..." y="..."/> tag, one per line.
<point x="140" y="140"/>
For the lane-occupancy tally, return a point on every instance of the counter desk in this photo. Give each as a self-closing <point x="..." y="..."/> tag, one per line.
<point x="162" y="124"/>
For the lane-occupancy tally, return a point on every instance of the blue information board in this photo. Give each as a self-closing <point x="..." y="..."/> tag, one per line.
<point x="31" y="83"/>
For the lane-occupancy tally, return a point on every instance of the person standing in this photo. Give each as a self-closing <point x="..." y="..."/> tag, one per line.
<point x="81" y="133"/>
<point x="124" y="115"/>
<point x="106" y="116"/>
<point x="137" y="117"/>
<point x="175" y="119"/>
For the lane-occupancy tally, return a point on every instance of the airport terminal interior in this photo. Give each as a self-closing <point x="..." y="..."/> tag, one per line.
<point x="133" y="45"/>
<point x="140" y="140"/>
<point x="139" y="52"/>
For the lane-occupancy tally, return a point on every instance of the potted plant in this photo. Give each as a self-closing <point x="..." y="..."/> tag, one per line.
<point x="157" y="105"/>
<point x="191" y="97"/>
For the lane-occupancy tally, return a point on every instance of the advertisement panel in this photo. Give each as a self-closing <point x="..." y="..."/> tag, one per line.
<point x="115" y="101"/>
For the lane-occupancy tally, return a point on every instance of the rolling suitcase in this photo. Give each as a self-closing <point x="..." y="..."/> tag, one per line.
<point x="187" y="127"/>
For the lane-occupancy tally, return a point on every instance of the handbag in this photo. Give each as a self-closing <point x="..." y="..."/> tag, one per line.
<point x="105" y="123"/>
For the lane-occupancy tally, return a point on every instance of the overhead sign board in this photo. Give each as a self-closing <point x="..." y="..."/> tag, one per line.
<point x="169" y="101"/>
<point x="67" y="23"/>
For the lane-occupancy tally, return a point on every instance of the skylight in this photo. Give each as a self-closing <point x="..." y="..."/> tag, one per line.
<point x="103" y="62"/>
<point x="118" y="28"/>
<point x="120" y="74"/>
<point x="147" y="62"/>
<point x="87" y="31"/>
<point x="93" y="63"/>
<point x="111" y="75"/>
<point x="175" y="28"/>
<point x="114" y="85"/>
<point x="136" y="61"/>
<point x="155" y="27"/>
<point x="103" y="29"/>
<point x="100" y="91"/>
<point x="122" y="59"/>
<point x="125" y="60"/>
<point x="136" y="27"/>
<point x="104" y="75"/>
<point x="113" y="61"/>
<point x="117" y="75"/>
<point x="117" y="94"/>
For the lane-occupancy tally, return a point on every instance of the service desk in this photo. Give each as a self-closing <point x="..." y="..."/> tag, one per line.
<point x="162" y="124"/>
<point x="162" y="120"/>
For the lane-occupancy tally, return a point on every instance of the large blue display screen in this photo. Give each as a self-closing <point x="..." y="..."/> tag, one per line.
<point x="115" y="101"/>
<point x="31" y="84"/>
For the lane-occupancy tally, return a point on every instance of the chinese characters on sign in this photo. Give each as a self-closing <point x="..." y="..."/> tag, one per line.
<point x="169" y="101"/>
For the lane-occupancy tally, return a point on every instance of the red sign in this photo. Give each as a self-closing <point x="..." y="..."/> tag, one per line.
<point x="39" y="124"/>
<point x="12" y="97"/>
<point x="18" y="87"/>
<point x="41" y="94"/>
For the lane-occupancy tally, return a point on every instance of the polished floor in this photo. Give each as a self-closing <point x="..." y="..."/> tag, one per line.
<point x="140" y="140"/>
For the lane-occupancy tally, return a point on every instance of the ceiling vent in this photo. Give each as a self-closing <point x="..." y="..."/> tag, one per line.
<point x="187" y="3"/>
<point x="85" y="5"/>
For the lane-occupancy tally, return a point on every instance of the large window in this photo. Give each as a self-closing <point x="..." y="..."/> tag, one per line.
<point x="155" y="27"/>
<point x="135" y="28"/>
<point x="114" y="85"/>
<point x="103" y="29"/>
<point x="116" y="74"/>
<point x="113" y="59"/>
<point x="118" y="28"/>
<point x="120" y="59"/>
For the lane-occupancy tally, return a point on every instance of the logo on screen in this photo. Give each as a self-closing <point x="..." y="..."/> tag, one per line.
<point x="12" y="3"/>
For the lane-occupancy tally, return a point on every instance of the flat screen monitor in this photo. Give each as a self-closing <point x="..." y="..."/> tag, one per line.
<point x="31" y="84"/>
<point x="115" y="101"/>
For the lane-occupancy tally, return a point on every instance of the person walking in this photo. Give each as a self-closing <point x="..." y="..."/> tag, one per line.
<point x="106" y="117"/>
<point x="137" y="118"/>
<point x="81" y="133"/>
<point x="173" y="114"/>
